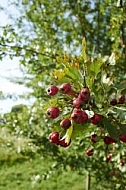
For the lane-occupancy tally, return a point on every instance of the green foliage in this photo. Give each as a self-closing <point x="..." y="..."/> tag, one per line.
<point x="48" y="39"/>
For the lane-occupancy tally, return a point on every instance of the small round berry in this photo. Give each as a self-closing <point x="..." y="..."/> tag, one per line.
<point x="93" y="138"/>
<point x="53" y="112"/>
<point x="122" y="137"/>
<point x="65" y="123"/>
<point x="78" y="103"/>
<point x="54" y="137"/>
<point x="109" y="140"/>
<point x="78" y="116"/>
<point x="52" y="90"/>
<point x="122" y="163"/>
<point x="89" y="152"/>
<point x="65" y="88"/>
<point x="96" y="119"/>
<point x="85" y="94"/>
<point x="121" y="99"/>
<point x="113" y="101"/>
<point x="63" y="143"/>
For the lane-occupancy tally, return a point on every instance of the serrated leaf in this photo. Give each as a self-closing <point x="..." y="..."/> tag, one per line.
<point x="94" y="67"/>
<point x="69" y="134"/>
<point x="122" y="85"/>
<point x="112" y="130"/>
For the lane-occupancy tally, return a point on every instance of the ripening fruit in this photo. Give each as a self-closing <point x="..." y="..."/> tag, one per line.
<point x="122" y="137"/>
<point x="93" y="138"/>
<point x="78" y="116"/>
<point x="113" y="101"/>
<point x="109" y="156"/>
<point x="53" y="112"/>
<point x="89" y="152"/>
<point x="65" y="123"/>
<point x="84" y="94"/>
<point x="121" y="98"/>
<point x="78" y="102"/>
<point x="54" y="137"/>
<point x="63" y="143"/>
<point x="96" y="119"/>
<point x="52" y="90"/>
<point x="65" y="88"/>
<point x="109" y="140"/>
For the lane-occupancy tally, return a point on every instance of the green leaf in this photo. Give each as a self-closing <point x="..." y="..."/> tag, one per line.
<point x="112" y="130"/>
<point x="122" y="85"/>
<point x="84" y="49"/>
<point x="69" y="134"/>
<point x="123" y="128"/>
<point x="94" y="67"/>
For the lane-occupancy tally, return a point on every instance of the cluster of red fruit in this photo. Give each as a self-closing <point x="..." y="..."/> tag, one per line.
<point x="120" y="100"/>
<point x="78" y="114"/>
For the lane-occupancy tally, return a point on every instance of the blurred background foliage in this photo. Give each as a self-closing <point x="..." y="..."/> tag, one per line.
<point x="41" y="34"/>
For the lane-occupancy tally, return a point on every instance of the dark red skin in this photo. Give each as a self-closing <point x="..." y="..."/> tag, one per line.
<point x="78" y="102"/>
<point x="63" y="143"/>
<point x="52" y="90"/>
<point x="65" y="88"/>
<point x="122" y="163"/>
<point x="109" y="157"/>
<point x="53" y="112"/>
<point x="122" y="137"/>
<point x="84" y="94"/>
<point x="79" y="116"/>
<point x="89" y="152"/>
<point x="93" y="137"/>
<point x="109" y="140"/>
<point x="121" y="99"/>
<point x="54" y="137"/>
<point x="113" y="101"/>
<point x="96" y="119"/>
<point x="65" y="123"/>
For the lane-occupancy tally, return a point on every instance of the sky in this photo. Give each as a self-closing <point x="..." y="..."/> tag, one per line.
<point x="10" y="69"/>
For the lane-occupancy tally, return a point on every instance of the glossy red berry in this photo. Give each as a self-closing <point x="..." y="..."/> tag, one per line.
<point x="85" y="94"/>
<point x="96" y="119"/>
<point x="78" y="102"/>
<point x="89" y="152"/>
<point x="121" y="99"/>
<point x="122" y="137"/>
<point x="63" y="143"/>
<point x="52" y="90"/>
<point x="109" y="140"/>
<point x="54" y="137"/>
<point x="109" y="156"/>
<point x="65" y="88"/>
<point x="65" y="123"/>
<point x="53" y="112"/>
<point x="122" y="163"/>
<point x="93" y="138"/>
<point x="78" y="116"/>
<point x="113" y="101"/>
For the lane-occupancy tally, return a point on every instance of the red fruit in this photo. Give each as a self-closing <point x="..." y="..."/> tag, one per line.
<point x="53" y="112"/>
<point x="79" y="116"/>
<point x="109" y="140"/>
<point x="78" y="102"/>
<point x="63" y="143"/>
<point x="122" y="137"/>
<point x="52" y="90"/>
<point x="93" y="138"/>
<point x="85" y="94"/>
<point x="54" y="137"/>
<point x="122" y="163"/>
<point x="113" y="101"/>
<point x="89" y="152"/>
<point x="96" y="119"/>
<point x="65" y="123"/>
<point x="65" y="88"/>
<point x="109" y="157"/>
<point x="121" y="98"/>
